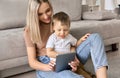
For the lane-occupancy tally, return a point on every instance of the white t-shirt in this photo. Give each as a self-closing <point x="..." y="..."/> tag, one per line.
<point x="61" y="45"/>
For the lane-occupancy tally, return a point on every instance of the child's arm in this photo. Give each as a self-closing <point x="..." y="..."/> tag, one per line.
<point x="72" y="48"/>
<point x="51" y="53"/>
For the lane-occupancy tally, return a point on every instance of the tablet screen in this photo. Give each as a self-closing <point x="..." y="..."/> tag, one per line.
<point x="62" y="61"/>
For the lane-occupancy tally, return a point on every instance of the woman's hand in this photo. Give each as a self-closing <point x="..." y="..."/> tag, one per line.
<point x="50" y="66"/>
<point x="83" y="39"/>
<point x="74" y="64"/>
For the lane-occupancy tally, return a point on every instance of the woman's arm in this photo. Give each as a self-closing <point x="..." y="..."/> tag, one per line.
<point x="34" y="63"/>
<point x="32" y="55"/>
<point x="76" y="62"/>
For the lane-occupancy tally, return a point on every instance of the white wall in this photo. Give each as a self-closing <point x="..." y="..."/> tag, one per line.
<point x="109" y="4"/>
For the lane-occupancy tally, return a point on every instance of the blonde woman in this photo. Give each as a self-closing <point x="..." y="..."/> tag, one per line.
<point x="36" y="34"/>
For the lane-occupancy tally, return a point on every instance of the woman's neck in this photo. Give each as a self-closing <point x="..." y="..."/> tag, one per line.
<point x="45" y="26"/>
<point x="45" y="32"/>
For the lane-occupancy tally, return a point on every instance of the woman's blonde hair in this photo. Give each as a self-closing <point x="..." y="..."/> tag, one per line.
<point x="33" y="20"/>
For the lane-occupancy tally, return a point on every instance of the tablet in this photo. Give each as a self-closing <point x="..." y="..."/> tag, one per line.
<point x="62" y="61"/>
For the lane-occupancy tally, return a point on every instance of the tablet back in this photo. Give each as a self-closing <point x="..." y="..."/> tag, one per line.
<point x="63" y="60"/>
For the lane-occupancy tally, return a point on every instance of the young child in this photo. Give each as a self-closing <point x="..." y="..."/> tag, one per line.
<point x="60" y="41"/>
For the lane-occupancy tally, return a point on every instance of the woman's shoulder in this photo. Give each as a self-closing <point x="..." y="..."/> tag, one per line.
<point x="27" y="38"/>
<point x="26" y="31"/>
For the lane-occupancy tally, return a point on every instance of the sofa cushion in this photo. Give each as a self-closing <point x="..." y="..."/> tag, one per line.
<point x="108" y="29"/>
<point x="11" y="63"/>
<point x="12" y="44"/>
<point x="12" y="13"/>
<point x="71" y="7"/>
<point x="98" y="15"/>
<point x="13" y="71"/>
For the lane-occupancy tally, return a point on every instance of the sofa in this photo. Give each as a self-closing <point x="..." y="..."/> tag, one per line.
<point x="13" y="55"/>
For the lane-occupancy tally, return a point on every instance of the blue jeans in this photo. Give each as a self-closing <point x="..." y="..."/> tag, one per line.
<point x="44" y="59"/>
<point x="62" y="74"/>
<point x="93" y="46"/>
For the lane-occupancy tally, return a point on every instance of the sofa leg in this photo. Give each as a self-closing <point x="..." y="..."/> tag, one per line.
<point x="114" y="47"/>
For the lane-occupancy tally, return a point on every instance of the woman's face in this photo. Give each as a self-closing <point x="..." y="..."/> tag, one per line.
<point x="45" y="13"/>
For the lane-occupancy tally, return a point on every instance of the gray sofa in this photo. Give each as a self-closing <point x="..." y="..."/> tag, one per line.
<point x="13" y="57"/>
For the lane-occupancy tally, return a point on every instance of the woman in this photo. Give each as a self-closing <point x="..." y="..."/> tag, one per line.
<point x="36" y="34"/>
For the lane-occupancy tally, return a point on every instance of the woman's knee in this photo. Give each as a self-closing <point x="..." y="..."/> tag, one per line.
<point x="95" y="36"/>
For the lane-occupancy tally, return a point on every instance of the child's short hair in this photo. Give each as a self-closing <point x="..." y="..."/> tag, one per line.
<point x="62" y="17"/>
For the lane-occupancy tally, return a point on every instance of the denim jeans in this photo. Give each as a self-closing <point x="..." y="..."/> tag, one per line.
<point x="93" y="46"/>
<point x="44" y="59"/>
<point x="62" y="74"/>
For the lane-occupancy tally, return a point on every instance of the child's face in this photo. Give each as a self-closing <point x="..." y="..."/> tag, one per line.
<point x="60" y="30"/>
